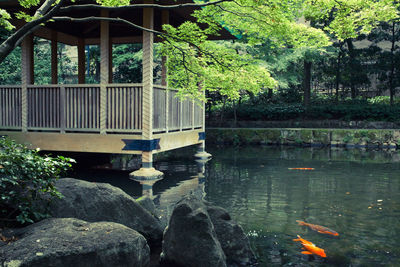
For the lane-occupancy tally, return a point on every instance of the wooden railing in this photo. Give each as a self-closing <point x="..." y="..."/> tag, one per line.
<point x="10" y="107"/>
<point x="124" y="107"/>
<point x="174" y="115"/>
<point x="78" y="108"/>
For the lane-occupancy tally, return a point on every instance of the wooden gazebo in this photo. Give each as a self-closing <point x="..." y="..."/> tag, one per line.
<point x="144" y="118"/>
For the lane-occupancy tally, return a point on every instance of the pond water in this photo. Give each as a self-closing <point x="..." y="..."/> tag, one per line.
<point x="354" y="192"/>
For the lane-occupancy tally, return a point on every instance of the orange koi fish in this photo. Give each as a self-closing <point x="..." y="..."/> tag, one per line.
<point x="309" y="248"/>
<point x="319" y="228"/>
<point x="303" y="241"/>
<point x="302" y="169"/>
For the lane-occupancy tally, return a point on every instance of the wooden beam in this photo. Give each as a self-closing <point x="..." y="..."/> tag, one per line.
<point x="54" y="58"/>
<point x="111" y="143"/>
<point x="81" y="61"/>
<point x="174" y="140"/>
<point x="116" y="40"/>
<point x="74" y="142"/>
<point x="45" y="33"/>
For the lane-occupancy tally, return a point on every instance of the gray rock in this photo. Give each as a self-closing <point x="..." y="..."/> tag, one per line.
<point x="233" y="240"/>
<point x="190" y="239"/>
<point x="73" y="242"/>
<point x="94" y="202"/>
<point x="148" y="205"/>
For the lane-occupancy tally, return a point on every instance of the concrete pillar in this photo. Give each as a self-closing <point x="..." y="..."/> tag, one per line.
<point x="147" y="171"/>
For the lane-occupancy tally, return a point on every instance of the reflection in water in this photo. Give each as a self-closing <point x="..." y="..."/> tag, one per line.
<point x="170" y="196"/>
<point x="356" y="193"/>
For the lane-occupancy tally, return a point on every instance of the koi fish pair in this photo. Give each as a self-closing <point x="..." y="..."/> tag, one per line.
<point x="308" y="247"/>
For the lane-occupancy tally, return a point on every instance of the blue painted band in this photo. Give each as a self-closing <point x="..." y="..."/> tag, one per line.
<point x="202" y="136"/>
<point x="141" y="145"/>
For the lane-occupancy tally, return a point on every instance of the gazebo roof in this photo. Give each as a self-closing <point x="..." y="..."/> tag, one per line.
<point x="69" y="32"/>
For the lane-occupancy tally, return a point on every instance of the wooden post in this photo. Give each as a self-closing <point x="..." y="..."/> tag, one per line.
<point x="147" y="80"/>
<point x="54" y="58"/>
<point x="193" y="114"/>
<point x="26" y="77"/>
<point x="104" y="69"/>
<point x="164" y="82"/>
<point x="62" y="109"/>
<point x="164" y="20"/>
<point x="147" y="171"/>
<point x="81" y="61"/>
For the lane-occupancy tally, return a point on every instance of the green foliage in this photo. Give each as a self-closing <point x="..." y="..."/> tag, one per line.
<point x="195" y="62"/>
<point x="349" y="18"/>
<point x="383" y="100"/>
<point x="4" y="20"/>
<point x="11" y="68"/>
<point x="127" y="62"/>
<point x="320" y="109"/>
<point x="27" y="182"/>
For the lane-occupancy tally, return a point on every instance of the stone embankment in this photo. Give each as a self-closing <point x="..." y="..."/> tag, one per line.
<point x="96" y="224"/>
<point x="362" y="138"/>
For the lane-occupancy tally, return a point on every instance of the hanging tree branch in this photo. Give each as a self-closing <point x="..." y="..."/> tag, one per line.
<point x="165" y="35"/>
<point x="15" y="39"/>
<point x="138" y="6"/>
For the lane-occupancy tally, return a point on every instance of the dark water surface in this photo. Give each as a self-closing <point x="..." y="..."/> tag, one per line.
<point x="354" y="192"/>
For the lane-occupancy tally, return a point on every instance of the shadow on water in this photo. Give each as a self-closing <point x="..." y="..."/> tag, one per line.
<point x="354" y="192"/>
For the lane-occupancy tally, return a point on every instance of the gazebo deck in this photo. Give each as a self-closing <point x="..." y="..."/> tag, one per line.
<point x="94" y="118"/>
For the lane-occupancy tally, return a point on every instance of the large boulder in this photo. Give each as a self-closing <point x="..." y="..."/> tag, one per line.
<point x="94" y="202"/>
<point x="190" y="239"/>
<point x="234" y="241"/>
<point x="72" y="242"/>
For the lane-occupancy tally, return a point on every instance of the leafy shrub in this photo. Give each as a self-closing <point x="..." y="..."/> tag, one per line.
<point x="27" y="182"/>
<point x="347" y="110"/>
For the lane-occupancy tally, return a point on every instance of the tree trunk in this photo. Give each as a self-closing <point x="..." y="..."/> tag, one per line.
<point x="338" y="73"/>
<point x="234" y="113"/>
<point x="352" y="56"/>
<point x="307" y="82"/>
<point x="270" y="93"/>
<point x="392" y="65"/>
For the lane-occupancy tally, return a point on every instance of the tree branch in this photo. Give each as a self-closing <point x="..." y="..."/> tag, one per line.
<point x="136" y="6"/>
<point x="15" y="39"/>
<point x="44" y="8"/>
<point x="92" y="18"/>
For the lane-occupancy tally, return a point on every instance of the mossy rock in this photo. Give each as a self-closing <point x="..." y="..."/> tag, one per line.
<point x="248" y="136"/>
<point x="321" y="136"/>
<point x="360" y="134"/>
<point x="339" y="135"/>
<point x="290" y="136"/>
<point x="272" y="136"/>
<point x="305" y="135"/>
<point x="386" y="136"/>
<point x="373" y="136"/>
